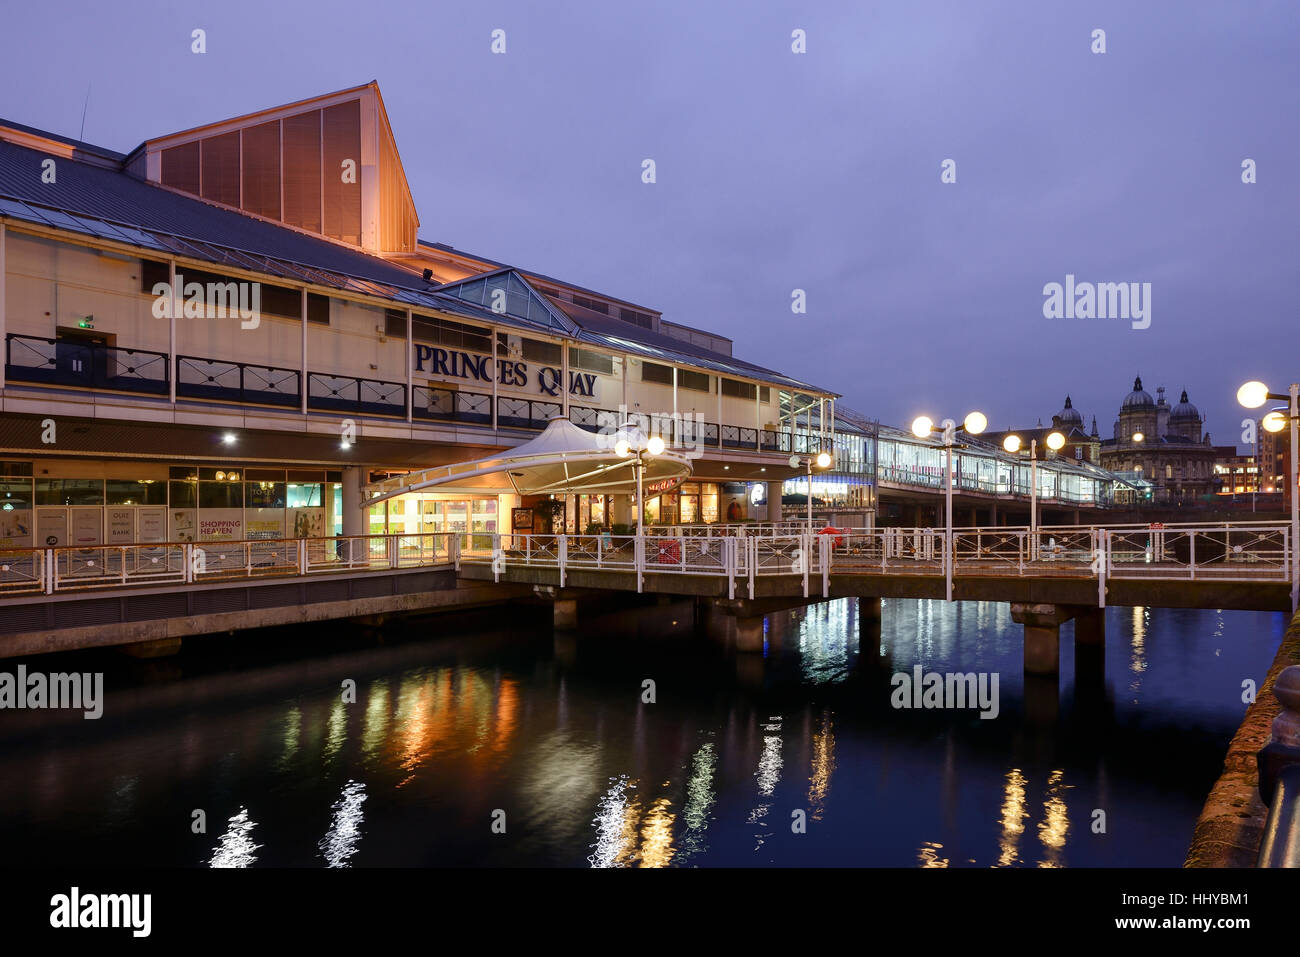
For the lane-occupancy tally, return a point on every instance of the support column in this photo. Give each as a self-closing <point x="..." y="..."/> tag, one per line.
<point x="354" y="512"/>
<point x="974" y="517"/>
<point x="1042" y="635"/>
<point x="993" y="514"/>
<point x="774" y="501"/>
<point x="1089" y="644"/>
<point x="565" y="614"/>
<point x="868" y="630"/>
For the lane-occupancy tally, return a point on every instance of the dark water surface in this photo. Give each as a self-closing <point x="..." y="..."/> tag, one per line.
<point x="460" y="722"/>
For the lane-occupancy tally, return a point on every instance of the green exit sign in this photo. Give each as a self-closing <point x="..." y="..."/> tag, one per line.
<point x="86" y="324"/>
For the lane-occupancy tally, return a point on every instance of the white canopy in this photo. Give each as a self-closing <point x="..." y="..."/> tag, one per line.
<point x="563" y="460"/>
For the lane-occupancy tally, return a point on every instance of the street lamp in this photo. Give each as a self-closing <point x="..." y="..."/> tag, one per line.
<point x="922" y="426"/>
<point x="822" y="460"/>
<point x="1013" y="443"/>
<point x="1252" y="395"/>
<point x="636" y="443"/>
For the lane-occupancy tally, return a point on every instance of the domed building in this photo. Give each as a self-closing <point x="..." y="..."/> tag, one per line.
<point x="1165" y="445"/>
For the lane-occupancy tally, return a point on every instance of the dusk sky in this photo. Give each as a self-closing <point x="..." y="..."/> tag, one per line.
<point x="818" y="171"/>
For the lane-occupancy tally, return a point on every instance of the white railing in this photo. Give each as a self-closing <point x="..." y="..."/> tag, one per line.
<point x="1244" y="552"/>
<point x="67" y="569"/>
<point x="1249" y="552"/>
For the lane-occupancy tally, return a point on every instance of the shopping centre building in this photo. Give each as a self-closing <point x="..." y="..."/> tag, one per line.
<point x="235" y="332"/>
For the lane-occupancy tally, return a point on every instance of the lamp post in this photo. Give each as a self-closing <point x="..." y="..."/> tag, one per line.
<point x="922" y="426"/>
<point x="1013" y="444"/>
<point x="635" y="443"/>
<point x="1252" y="395"/>
<point x="823" y="461"/>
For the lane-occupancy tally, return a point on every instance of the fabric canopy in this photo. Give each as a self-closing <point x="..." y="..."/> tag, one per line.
<point x="563" y="460"/>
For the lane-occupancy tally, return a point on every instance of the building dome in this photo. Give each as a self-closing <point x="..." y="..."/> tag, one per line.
<point x="1184" y="409"/>
<point x="1138" y="399"/>
<point x="1069" y="415"/>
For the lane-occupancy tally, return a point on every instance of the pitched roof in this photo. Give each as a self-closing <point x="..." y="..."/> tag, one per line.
<point x="111" y="204"/>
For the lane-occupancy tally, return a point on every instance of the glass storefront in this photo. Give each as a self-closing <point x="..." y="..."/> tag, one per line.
<point x="179" y="504"/>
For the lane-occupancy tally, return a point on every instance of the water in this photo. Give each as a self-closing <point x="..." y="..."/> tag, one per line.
<point x="462" y="729"/>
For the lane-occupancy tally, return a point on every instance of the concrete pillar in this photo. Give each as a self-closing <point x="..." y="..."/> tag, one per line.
<point x="1090" y="626"/>
<point x="354" y="513"/>
<point x="620" y="510"/>
<point x="868" y="630"/>
<point x="1076" y="516"/>
<point x="774" y="501"/>
<point x="974" y="517"/>
<point x="1089" y="645"/>
<point x="1042" y="649"/>
<point x="565" y="614"/>
<point x="993" y="514"/>
<point x="327" y="500"/>
<point x="1042" y="635"/>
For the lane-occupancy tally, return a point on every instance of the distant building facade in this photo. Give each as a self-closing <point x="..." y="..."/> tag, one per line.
<point x="1165" y="445"/>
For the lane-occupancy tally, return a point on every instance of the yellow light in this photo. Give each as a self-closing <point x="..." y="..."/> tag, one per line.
<point x="1274" y="422"/>
<point x="1056" y="441"/>
<point x="922" y="426"/>
<point x="1011" y="443"/>
<point x="1138" y="436"/>
<point x="1253" y="394"/>
<point x="655" y="446"/>
<point x="621" y="448"/>
<point x="233" y="476"/>
<point x="221" y="476"/>
<point x="976" y="423"/>
<point x="824" y="461"/>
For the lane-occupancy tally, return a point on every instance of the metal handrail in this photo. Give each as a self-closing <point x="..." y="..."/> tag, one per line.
<point x="26" y="571"/>
<point x="1279" y="776"/>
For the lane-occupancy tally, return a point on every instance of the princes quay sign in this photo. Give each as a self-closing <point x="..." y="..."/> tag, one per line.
<point x="511" y="372"/>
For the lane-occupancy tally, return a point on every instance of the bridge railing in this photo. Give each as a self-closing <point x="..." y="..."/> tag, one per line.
<point x="1249" y="552"/>
<point x="1234" y="553"/>
<point x="26" y="571"/>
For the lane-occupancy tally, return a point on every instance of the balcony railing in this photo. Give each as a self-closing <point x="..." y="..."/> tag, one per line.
<point x="85" y="365"/>
<point x="338" y="393"/>
<point x="240" y="382"/>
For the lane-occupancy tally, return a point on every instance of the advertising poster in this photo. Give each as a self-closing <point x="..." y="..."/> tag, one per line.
<point x="265" y="523"/>
<point x="152" y="524"/>
<point x="51" y="527"/>
<point x="221" y="525"/>
<point x="16" y="526"/>
<point x="87" y="526"/>
<point x="182" y="525"/>
<point x="121" y="526"/>
<point x="306" y="522"/>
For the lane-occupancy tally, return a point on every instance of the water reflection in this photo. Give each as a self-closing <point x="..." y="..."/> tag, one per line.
<point x="340" y="841"/>
<point x="1014" y="815"/>
<point x="444" y="731"/>
<point x="823" y="763"/>
<point x="236" y="847"/>
<point x="1055" y="825"/>
<point x="768" y="774"/>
